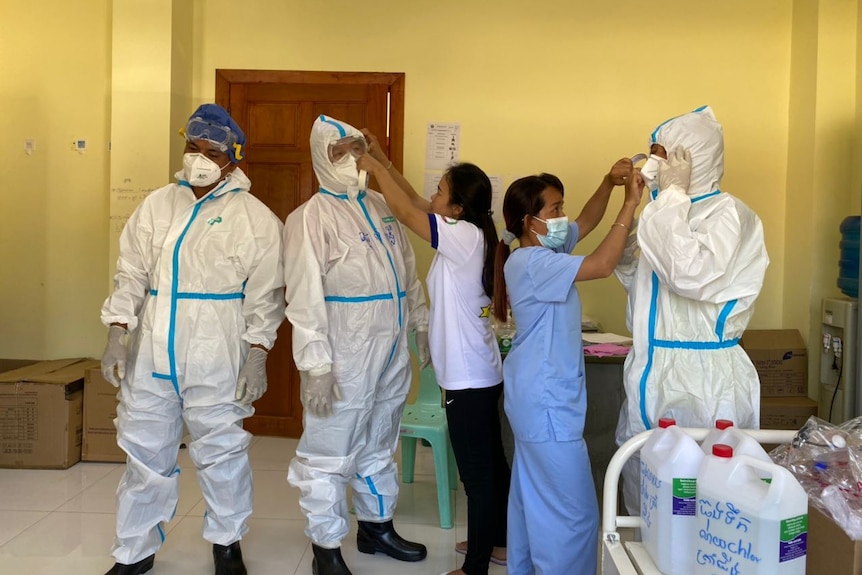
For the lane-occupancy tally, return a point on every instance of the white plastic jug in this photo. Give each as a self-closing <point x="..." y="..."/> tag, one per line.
<point x="742" y="443"/>
<point x="670" y="460"/>
<point x="746" y="526"/>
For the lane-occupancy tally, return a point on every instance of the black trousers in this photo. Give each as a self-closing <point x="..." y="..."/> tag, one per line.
<point x="474" y="427"/>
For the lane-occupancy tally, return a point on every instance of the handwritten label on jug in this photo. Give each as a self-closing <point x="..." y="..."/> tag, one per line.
<point x="684" y="496"/>
<point x="650" y="484"/>
<point x="794" y="538"/>
<point x="724" y="543"/>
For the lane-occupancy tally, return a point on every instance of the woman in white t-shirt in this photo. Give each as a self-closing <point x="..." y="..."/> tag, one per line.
<point x="457" y="222"/>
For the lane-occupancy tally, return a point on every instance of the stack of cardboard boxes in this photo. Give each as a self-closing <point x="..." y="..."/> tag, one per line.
<point x="781" y="360"/>
<point x="55" y="413"/>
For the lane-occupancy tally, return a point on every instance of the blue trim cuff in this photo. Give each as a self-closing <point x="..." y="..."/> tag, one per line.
<point x="435" y="239"/>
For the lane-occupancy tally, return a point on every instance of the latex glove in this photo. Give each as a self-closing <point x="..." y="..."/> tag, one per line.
<point x="251" y="383"/>
<point x="423" y="351"/>
<point x="115" y="355"/>
<point x="318" y="392"/>
<point x="676" y="171"/>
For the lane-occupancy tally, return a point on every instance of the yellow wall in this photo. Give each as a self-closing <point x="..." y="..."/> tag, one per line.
<point x="55" y="89"/>
<point x="558" y="86"/>
<point x="822" y="178"/>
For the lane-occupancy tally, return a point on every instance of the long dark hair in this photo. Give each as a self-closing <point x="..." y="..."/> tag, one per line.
<point x="523" y="198"/>
<point x="470" y="188"/>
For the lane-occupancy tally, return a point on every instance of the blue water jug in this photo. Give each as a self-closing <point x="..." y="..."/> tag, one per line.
<point x="848" y="264"/>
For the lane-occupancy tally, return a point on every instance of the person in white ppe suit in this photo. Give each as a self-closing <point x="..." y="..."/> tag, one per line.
<point x="352" y="297"/>
<point x="196" y="305"/>
<point x="691" y="292"/>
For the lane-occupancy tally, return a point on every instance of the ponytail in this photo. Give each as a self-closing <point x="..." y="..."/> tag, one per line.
<point x="523" y="198"/>
<point x="471" y="189"/>
<point x="501" y="299"/>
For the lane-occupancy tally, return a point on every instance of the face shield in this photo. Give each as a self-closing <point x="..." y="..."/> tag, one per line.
<point x="355" y="146"/>
<point x="638" y="158"/>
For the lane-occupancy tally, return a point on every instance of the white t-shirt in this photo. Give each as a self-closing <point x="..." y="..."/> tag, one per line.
<point x="463" y="346"/>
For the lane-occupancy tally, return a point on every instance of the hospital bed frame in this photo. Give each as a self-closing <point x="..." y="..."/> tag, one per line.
<point x="631" y="557"/>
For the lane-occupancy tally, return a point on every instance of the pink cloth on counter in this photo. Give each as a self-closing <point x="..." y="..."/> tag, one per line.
<point x="605" y="349"/>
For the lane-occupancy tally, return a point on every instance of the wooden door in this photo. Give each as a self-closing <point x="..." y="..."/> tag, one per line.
<point x="276" y="109"/>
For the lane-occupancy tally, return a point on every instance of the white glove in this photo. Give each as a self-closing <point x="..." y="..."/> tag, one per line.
<point x="251" y="383"/>
<point x="676" y="171"/>
<point x="317" y="393"/>
<point x="423" y="351"/>
<point x="115" y="355"/>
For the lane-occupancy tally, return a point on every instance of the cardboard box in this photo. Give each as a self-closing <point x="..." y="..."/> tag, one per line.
<point x="100" y="410"/>
<point x="781" y="360"/>
<point x="10" y="364"/>
<point x="41" y="414"/>
<point x="786" y="412"/>
<point x="830" y="550"/>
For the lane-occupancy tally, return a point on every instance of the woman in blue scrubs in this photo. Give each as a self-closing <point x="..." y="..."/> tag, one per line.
<point x="553" y="514"/>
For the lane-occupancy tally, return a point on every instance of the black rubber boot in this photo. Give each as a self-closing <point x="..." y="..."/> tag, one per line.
<point x="374" y="537"/>
<point x="138" y="568"/>
<point x="228" y="560"/>
<point x="328" y="562"/>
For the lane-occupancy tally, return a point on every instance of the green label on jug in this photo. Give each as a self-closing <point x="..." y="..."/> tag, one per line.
<point x="684" y="496"/>
<point x="505" y="344"/>
<point x="794" y="538"/>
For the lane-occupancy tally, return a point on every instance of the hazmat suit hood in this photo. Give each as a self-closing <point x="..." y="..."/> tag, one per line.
<point x="340" y="178"/>
<point x="701" y="134"/>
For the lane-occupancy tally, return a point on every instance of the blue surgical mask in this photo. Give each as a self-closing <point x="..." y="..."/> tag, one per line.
<point x="558" y="232"/>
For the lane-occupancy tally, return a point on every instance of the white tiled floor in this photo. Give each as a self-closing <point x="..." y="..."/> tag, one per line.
<point x="63" y="522"/>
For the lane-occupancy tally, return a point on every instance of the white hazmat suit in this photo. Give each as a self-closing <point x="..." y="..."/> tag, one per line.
<point x="352" y="297"/>
<point x="198" y="281"/>
<point x="691" y="294"/>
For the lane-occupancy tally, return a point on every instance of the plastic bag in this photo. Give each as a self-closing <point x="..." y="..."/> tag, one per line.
<point x="827" y="460"/>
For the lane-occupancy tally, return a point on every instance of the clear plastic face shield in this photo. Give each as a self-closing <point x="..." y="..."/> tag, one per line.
<point x="222" y="137"/>
<point x="342" y="151"/>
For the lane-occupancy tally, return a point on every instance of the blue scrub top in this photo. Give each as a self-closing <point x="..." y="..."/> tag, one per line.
<point x="545" y="391"/>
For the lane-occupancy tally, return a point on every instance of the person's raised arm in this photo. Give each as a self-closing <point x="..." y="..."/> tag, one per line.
<point x="601" y="263"/>
<point x="594" y="209"/>
<point x="377" y="153"/>
<point x="397" y="199"/>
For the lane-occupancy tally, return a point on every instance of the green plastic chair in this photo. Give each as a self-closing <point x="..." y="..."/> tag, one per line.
<point x="426" y="419"/>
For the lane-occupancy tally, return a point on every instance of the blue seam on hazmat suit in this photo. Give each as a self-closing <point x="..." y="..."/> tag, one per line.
<point x="326" y="192"/>
<point x="660" y="126"/>
<point x="161" y="532"/>
<point x="722" y="319"/>
<point x="326" y="120"/>
<point x="394" y="272"/>
<point x="373" y="490"/>
<point x="175" y="283"/>
<point x="696" y="345"/>
<point x="705" y="196"/>
<point x="651" y="343"/>
<point x="191" y="295"/>
<point x="363" y="298"/>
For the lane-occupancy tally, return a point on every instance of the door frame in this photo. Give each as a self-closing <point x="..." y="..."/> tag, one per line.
<point x="394" y="85"/>
<point x="394" y="80"/>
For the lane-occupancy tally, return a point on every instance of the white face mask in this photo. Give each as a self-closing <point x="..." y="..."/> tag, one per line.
<point x="200" y="171"/>
<point x="349" y="175"/>
<point x="649" y="171"/>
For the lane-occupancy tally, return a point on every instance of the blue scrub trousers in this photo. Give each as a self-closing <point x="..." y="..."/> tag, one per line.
<point x="553" y="512"/>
